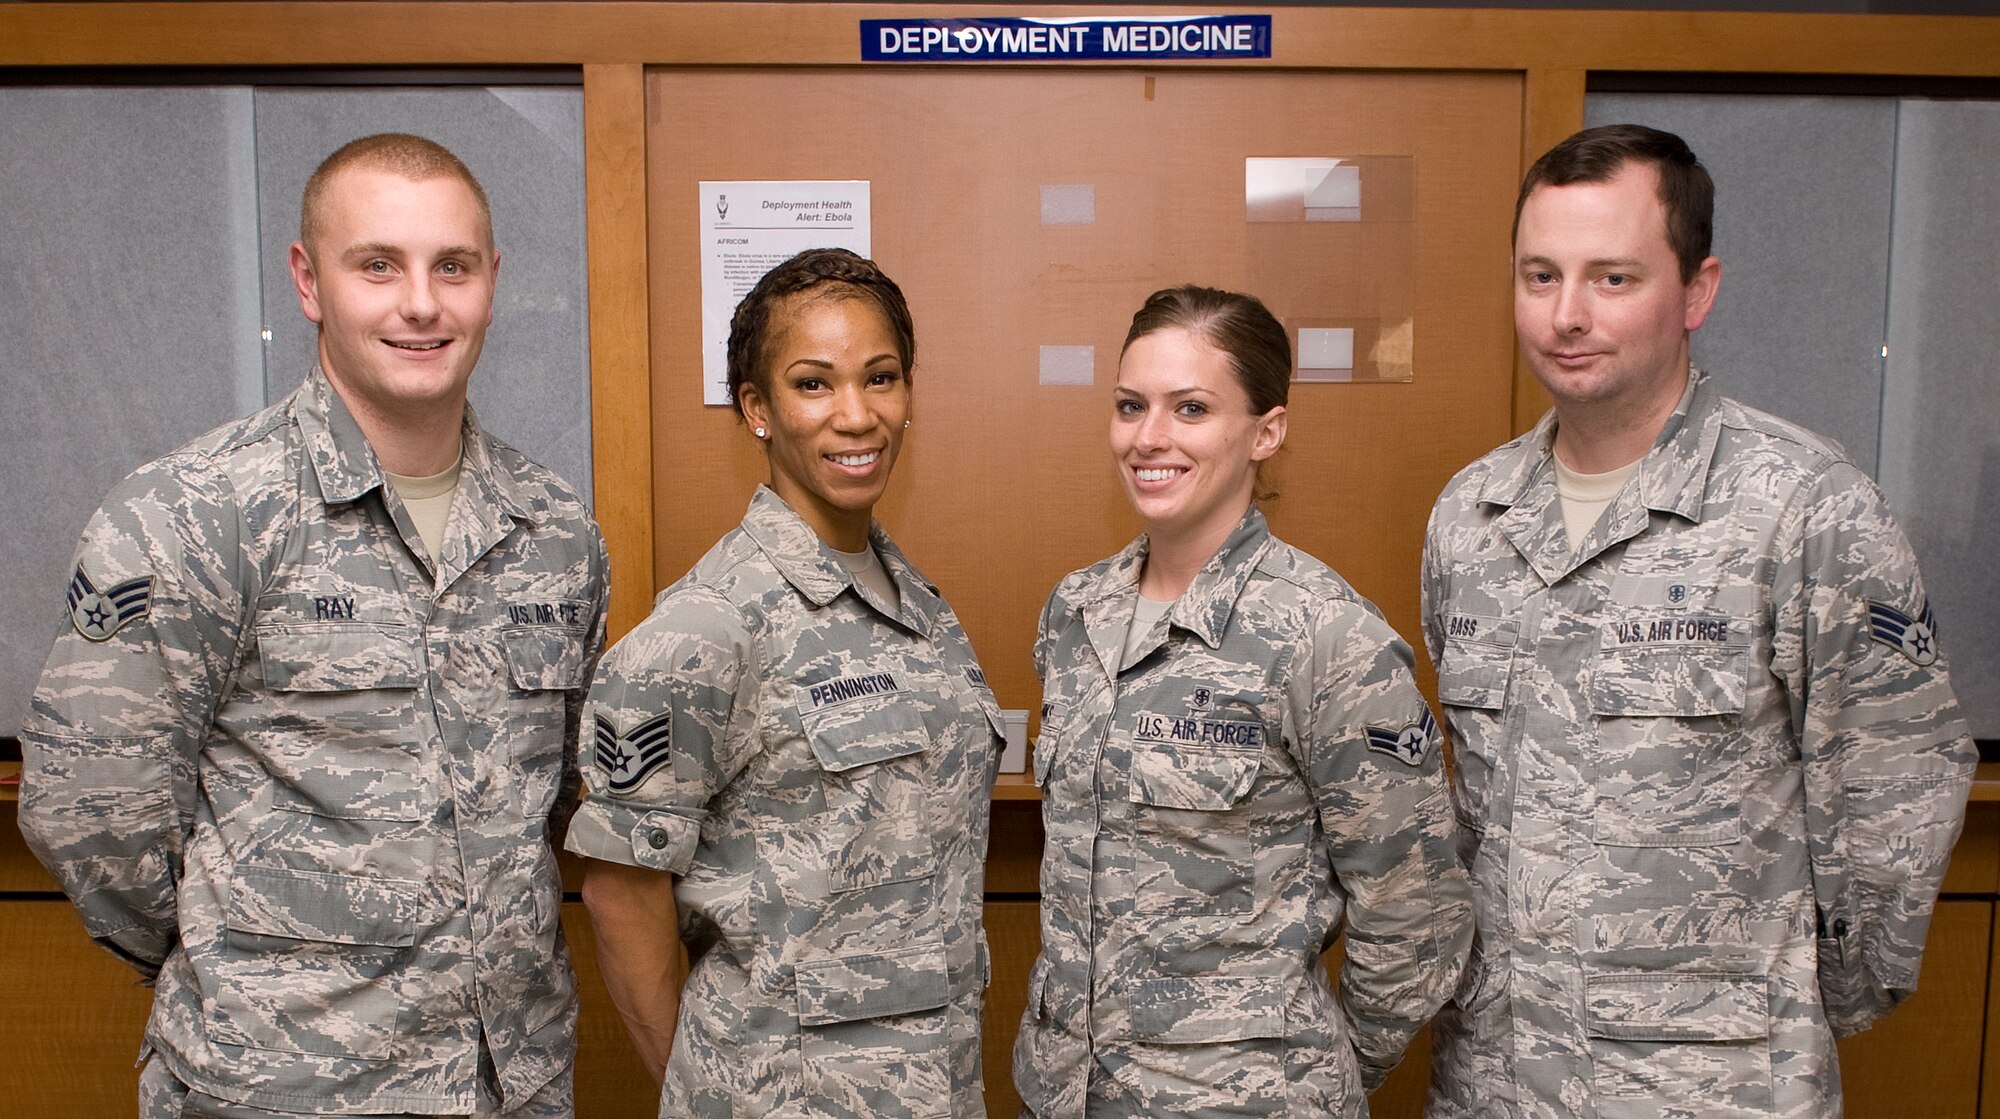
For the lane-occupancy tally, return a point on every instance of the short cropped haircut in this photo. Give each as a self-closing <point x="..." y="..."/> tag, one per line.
<point x="819" y="273"/>
<point x="412" y="157"/>
<point x="1597" y="155"/>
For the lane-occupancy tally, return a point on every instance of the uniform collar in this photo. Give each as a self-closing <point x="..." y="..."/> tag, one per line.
<point x="346" y="468"/>
<point x="342" y="461"/>
<point x="1204" y="608"/>
<point x="1672" y="478"/>
<point x="810" y="566"/>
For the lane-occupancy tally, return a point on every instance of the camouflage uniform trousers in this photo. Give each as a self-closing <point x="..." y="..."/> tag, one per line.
<point x="163" y="1096"/>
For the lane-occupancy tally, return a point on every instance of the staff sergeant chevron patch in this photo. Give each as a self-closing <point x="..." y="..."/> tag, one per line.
<point x="99" y="614"/>
<point x="631" y="757"/>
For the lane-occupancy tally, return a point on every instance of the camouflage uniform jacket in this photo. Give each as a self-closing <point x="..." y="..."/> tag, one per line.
<point x="309" y="781"/>
<point x="1709" y="770"/>
<point x="1264" y="767"/>
<point x="814" y="766"/>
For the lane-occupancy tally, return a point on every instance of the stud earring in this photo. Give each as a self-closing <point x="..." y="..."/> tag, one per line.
<point x="906" y="424"/>
<point x="760" y="433"/>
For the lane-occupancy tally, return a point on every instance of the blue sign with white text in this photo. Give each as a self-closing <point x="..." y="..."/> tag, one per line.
<point x="1081" y="38"/>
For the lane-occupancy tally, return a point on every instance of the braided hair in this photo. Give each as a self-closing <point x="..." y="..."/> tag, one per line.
<point x="820" y="274"/>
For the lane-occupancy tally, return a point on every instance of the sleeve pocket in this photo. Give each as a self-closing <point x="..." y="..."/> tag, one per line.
<point x="332" y="908"/>
<point x="889" y="731"/>
<point x="342" y="658"/>
<point x="1669" y="680"/>
<point x="1045" y="762"/>
<point x="544" y="660"/>
<point x="1657" y="1006"/>
<point x="1207" y="1010"/>
<point x="873" y="985"/>
<point x="1474" y="670"/>
<point x="1205" y="780"/>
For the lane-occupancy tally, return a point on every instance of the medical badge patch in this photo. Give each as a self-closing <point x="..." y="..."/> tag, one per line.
<point x="632" y="757"/>
<point x="99" y="614"/>
<point x="1405" y="744"/>
<point x="1915" y="638"/>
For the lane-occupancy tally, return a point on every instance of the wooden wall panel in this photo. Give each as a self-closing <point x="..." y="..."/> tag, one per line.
<point x="71" y="1016"/>
<point x="1006" y="484"/>
<point x="1014" y="848"/>
<point x="1975" y="860"/>
<point x="611" y="1081"/>
<point x="1013" y="939"/>
<point x="1989" y="1095"/>
<point x="1923" y="1061"/>
<point x="470" y="32"/>
<point x="614" y="144"/>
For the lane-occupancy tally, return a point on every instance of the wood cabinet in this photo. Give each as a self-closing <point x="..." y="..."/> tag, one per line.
<point x="74" y="1015"/>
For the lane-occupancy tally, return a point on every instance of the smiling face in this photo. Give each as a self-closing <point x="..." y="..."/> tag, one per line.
<point x="1599" y="306"/>
<point x="1185" y="440"/>
<point x="838" y="397"/>
<point x="399" y="278"/>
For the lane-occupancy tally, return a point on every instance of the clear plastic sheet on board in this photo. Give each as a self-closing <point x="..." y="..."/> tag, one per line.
<point x="1332" y="251"/>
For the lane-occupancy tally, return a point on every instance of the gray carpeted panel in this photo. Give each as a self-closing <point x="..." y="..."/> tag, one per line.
<point x="1802" y="228"/>
<point x="128" y="279"/>
<point x="1941" y="413"/>
<point x="525" y="145"/>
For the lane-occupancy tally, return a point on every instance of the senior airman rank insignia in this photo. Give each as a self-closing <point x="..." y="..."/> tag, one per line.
<point x="1405" y="744"/>
<point x="99" y="614"/>
<point x="1915" y="638"/>
<point x="629" y="758"/>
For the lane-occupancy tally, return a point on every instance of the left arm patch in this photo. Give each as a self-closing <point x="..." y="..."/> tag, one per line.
<point x="629" y="758"/>
<point x="1915" y="638"/>
<point x="1407" y="744"/>
<point x="99" y="614"/>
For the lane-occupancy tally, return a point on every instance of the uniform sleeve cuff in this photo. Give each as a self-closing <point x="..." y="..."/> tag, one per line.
<point x="655" y="838"/>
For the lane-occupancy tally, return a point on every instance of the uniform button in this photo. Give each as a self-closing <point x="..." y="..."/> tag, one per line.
<point x="657" y="838"/>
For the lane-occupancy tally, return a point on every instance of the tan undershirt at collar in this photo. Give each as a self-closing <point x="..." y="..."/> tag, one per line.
<point x="429" y="501"/>
<point x="867" y="569"/>
<point x="1145" y="612"/>
<point x="1586" y="496"/>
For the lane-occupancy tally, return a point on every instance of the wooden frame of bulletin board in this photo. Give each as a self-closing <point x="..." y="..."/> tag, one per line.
<point x="1546" y="55"/>
<point x="1005" y="483"/>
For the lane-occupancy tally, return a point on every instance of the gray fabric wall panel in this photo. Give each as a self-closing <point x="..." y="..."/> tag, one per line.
<point x="128" y="317"/>
<point x="1802" y="229"/>
<point x="1941" y="410"/>
<point x="525" y="145"/>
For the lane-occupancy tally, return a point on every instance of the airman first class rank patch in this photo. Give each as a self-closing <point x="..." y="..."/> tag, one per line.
<point x="1915" y="638"/>
<point x="99" y="614"/>
<point x="631" y="757"/>
<point x="1405" y="744"/>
